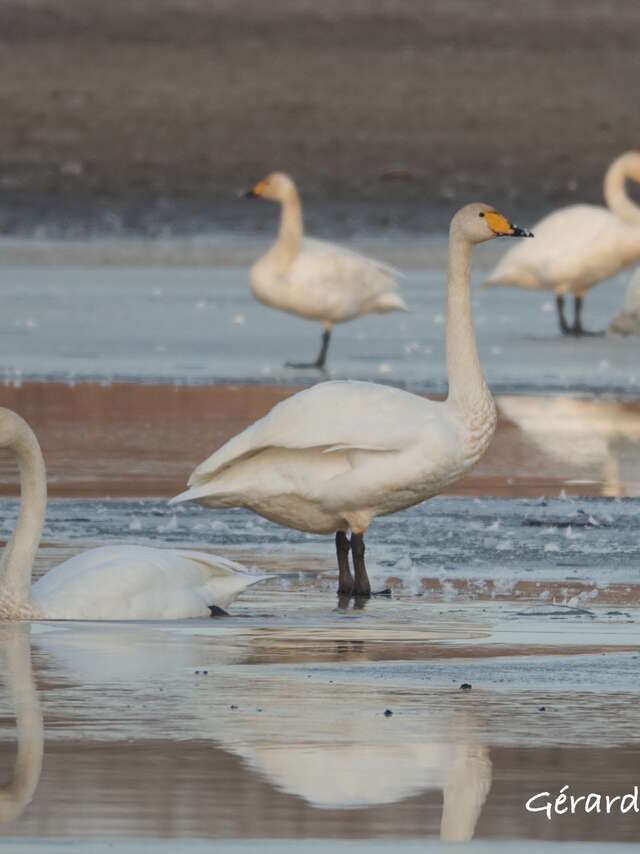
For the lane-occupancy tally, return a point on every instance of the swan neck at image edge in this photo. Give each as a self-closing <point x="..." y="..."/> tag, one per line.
<point x="17" y="561"/>
<point x="615" y="192"/>
<point x="467" y="385"/>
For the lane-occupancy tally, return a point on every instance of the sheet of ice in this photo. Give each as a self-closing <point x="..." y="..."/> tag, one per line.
<point x="199" y="324"/>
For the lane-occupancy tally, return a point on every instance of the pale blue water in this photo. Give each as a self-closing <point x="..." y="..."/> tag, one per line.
<point x="202" y="324"/>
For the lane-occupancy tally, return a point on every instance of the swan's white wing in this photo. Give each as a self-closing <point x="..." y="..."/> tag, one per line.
<point x="139" y="583"/>
<point x="347" y="281"/>
<point x="333" y="415"/>
<point x="323" y="249"/>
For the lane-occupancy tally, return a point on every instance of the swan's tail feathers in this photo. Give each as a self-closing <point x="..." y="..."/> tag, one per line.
<point x="194" y="493"/>
<point x="221" y="567"/>
<point x="390" y="301"/>
<point x="224" y="591"/>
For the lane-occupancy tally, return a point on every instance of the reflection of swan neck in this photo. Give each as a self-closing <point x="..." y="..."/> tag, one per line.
<point x="20" y="552"/>
<point x="467" y="386"/>
<point x="465" y="793"/>
<point x="30" y="731"/>
<point x="289" y="242"/>
<point x="624" y="167"/>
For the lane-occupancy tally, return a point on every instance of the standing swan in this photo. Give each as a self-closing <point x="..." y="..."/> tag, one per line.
<point x="579" y="246"/>
<point x="315" y="279"/>
<point x="109" y="583"/>
<point x="333" y="457"/>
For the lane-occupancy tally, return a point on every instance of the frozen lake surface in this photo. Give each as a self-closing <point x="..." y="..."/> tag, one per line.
<point x="202" y="325"/>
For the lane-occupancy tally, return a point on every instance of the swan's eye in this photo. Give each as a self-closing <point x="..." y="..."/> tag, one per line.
<point x="480" y="214"/>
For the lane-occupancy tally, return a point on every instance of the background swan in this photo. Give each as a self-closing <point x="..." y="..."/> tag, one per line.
<point x="109" y="583"/>
<point x="579" y="246"/>
<point x="333" y="457"/>
<point x="315" y="279"/>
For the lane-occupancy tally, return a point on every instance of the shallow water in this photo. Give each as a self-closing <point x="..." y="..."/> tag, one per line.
<point x="185" y="732"/>
<point x="270" y="723"/>
<point x="267" y="728"/>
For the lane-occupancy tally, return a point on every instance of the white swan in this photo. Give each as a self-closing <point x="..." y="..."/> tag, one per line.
<point x="333" y="457"/>
<point x="315" y="279"/>
<point x="16" y="658"/>
<point x="109" y="583"/>
<point x="579" y="246"/>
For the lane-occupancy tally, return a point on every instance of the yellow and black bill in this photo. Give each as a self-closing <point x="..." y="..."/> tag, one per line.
<point x="501" y="226"/>
<point x="257" y="191"/>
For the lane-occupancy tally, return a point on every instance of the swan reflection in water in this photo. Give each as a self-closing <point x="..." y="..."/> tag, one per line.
<point x="373" y="762"/>
<point x="15" y="658"/>
<point x="364" y="769"/>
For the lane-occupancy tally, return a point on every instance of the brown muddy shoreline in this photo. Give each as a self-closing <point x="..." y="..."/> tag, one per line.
<point x="128" y="440"/>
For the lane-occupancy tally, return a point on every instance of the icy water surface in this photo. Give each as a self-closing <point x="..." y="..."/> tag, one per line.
<point x="203" y="325"/>
<point x="448" y="541"/>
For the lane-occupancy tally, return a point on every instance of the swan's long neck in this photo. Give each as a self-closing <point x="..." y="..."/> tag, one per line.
<point x="467" y="386"/>
<point x="20" y="552"/>
<point x="615" y="191"/>
<point x="289" y="240"/>
<point x="30" y="731"/>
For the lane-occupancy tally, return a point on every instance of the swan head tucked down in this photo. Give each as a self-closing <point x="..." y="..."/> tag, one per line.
<point x="276" y="187"/>
<point x="479" y="222"/>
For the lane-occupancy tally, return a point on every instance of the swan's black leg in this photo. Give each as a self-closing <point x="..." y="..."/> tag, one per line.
<point x="345" y="579"/>
<point x="322" y="355"/>
<point x="578" y="328"/>
<point x="362" y="586"/>
<point x="564" y="326"/>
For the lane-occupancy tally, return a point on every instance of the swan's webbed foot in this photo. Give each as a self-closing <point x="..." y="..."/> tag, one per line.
<point x="345" y="579"/>
<point x="322" y="356"/>
<point x="362" y="586"/>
